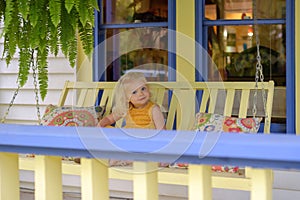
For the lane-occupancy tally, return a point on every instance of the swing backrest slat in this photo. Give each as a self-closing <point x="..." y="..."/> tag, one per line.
<point x="178" y="99"/>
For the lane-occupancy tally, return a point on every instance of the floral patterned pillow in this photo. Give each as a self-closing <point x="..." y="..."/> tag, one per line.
<point x="220" y="123"/>
<point x="216" y="122"/>
<point x="72" y="115"/>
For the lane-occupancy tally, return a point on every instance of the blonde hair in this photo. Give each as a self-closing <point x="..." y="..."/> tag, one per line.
<point x="124" y="88"/>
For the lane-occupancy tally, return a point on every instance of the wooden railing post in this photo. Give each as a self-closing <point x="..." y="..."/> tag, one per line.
<point x="9" y="176"/>
<point x="94" y="179"/>
<point x="200" y="182"/>
<point x="261" y="185"/>
<point x="145" y="181"/>
<point x="48" y="178"/>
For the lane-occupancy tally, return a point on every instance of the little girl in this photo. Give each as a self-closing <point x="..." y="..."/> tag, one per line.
<point x="132" y="102"/>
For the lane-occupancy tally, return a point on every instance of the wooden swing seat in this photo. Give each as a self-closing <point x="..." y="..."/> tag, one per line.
<point x="179" y="101"/>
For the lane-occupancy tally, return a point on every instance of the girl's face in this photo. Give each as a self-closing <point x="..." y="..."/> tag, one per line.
<point x="140" y="96"/>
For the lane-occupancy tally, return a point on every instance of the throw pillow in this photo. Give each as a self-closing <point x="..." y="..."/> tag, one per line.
<point x="218" y="123"/>
<point x="72" y="115"/>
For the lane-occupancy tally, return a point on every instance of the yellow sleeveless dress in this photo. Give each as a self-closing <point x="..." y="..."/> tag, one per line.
<point x="140" y="118"/>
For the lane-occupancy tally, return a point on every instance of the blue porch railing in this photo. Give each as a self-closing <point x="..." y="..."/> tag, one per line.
<point x="276" y="151"/>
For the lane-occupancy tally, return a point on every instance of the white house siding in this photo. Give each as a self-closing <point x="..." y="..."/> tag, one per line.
<point x="24" y="109"/>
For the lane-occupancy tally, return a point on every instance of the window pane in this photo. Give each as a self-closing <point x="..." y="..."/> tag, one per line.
<point x="234" y="50"/>
<point x="142" y="49"/>
<point x="243" y="9"/>
<point x="129" y="11"/>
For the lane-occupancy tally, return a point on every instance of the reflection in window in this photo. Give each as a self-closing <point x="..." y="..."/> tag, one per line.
<point x="243" y="9"/>
<point x="129" y="11"/>
<point x="234" y="51"/>
<point x="233" y="48"/>
<point x="141" y="49"/>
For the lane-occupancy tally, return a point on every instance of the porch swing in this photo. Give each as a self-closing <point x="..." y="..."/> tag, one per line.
<point x="258" y="181"/>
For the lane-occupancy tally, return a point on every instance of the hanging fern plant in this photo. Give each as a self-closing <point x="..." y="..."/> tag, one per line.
<point x="39" y="27"/>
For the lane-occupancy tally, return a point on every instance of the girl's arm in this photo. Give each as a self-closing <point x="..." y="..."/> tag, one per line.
<point x="158" y="118"/>
<point x="107" y="121"/>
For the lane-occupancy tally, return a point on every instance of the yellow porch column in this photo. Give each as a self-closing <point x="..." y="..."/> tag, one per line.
<point x="94" y="179"/>
<point x="185" y="56"/>
<point x="9" y="176"/>
<point x="297" y="64"/>
<point x="200" y="182"/>
<point x="84" y="67"/>
<point x="145" y="182"/>
<point x="185" y="40"/>
<point x="48" y="178"/>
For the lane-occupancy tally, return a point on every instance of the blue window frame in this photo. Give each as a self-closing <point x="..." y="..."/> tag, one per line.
<point x="288" y="21"/>
<point x="101" y="28"/>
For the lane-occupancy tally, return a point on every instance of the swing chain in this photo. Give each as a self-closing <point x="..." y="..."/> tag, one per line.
<point x="259" y="76"/>
<point x="11" y="103"/>
<point x="36" y="91"/>
<point x="18" y="89"/>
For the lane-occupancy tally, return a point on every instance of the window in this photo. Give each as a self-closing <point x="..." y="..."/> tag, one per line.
<point x="132" y="35"/>
<point x="230" y="29"/>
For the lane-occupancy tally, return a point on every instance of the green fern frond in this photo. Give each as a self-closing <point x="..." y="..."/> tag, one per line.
<point x="34" y="37"/>
<point x="73" y="52"/>
<point x="69" y="4"/>
<point x="94" y="4"/>
<point x="45" y="25"/>
<point x="54" y="8"/>
<point x="24" y="8"/>
<point x="6" y="53"/>
<point x="25" y="56"/>
<point x="25" y="53"/>
<point x="9" y="9"/>
<point x="2" y="9"/>
<point x="83" y="12"/>
<point x="86" y="36"/>
<point x="91" y="17"/>
<point x="53" y="39"/>
<point x="11" y="32"/>
<point x="33" y="13"/>
<point x="42" y="67"/>
<point x="67" y="32"/>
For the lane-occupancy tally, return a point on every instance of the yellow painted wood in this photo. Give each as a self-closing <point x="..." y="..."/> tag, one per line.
<point x="204" y="101"/>
<point x="229" y="102"/>
<point x="64" y="94"/>
<point x="261" y="181"/>
<point x="165" y="176"/>
<point x="200" y="183"/>
<point x="48" y="178"/>
<point x="269" y="106"/>
<point x="145" y="182"/>
<point x="213" y="100"/>
<point x="244" y="103"/>
<point x="160" y="96"/>
<point x="182" y="107"/>
<point x="82" y="97"/>
<point x="94" y="179"/>
<point x="185" y="109"/>
<point x="297" y="65"/>
<point x="84" y="66"/>
<point x="185" y="40"/>
<point x="172" y="112"/>
<point x="72" y="168"/>
<point x="9" y="176"/>
<point x="107" y="98"/>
